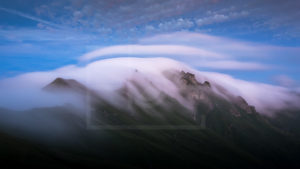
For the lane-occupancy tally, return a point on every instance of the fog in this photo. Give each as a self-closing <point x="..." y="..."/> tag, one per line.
<point x="109" y="75"/>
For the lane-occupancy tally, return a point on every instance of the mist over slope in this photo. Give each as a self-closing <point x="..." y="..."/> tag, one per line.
<point x="80" y="116"/>
<point x="107" y="76"/>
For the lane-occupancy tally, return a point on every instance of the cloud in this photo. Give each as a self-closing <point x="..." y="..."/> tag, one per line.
<point x="217" y="18"/>
<point x="116" y="14"/>
<point x="178" y="24"/>
<point x="219" y="44"/>
<point x="266" y="98"/>
<point x="11" y="11"/>
<point x="39" y="35"/>
<point x="211" y="19"/>
<point x="203" y="50"/>
<point x="150" y="50"/>
<point x="279" y="17"/>
<point x="255" y="54"/>
<point x="232" y="65"/>
<point x="107" y="76"/>
<point x="284" y="80"/>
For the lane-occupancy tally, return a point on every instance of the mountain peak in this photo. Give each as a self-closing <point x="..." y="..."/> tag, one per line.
<point x="190" y="79"/>
<point x="66" y="84"/>
<point x="61" y="82"/>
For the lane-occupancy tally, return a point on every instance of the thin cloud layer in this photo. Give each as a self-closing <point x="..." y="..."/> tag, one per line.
<point x="243" y="55"/>
<point x="284" y="80"/>
<point x="21" y="14"/>
<point x="232" y="47"/>
<point x="151" y="50"/>
<point x="232" y="65"/>
<point x="277" y="17"/>
<point x="198" y="50"/>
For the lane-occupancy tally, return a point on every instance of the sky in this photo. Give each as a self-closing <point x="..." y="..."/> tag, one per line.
<point x="257" y="40"/>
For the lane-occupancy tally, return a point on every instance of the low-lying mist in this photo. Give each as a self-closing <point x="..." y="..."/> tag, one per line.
<point x="107" y="76"/>
<point x="28" y="110"/>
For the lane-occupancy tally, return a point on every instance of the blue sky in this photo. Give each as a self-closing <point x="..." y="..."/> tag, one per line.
<point x="253" y="40"/>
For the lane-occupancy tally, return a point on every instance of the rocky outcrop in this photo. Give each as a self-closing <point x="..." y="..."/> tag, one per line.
<point x="190" y="79"/>
<point x="242" y="103"/>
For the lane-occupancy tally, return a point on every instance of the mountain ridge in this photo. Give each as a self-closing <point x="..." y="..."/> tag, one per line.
<point x="224" y="131"/>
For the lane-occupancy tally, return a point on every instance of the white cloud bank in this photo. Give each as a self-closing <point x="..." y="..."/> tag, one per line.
<point x="106" y="76"/>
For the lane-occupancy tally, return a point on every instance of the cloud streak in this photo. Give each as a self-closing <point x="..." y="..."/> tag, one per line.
<point x="232" y="65"/>
<point x="33" y="18"/>
<point x="284" y="80"/>
<point x="233" y="47"/>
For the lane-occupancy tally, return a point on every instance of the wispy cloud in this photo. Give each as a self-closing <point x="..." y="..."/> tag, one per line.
<point x="230" y="46"/>
<point x="284" y="80"/>
<point x="258" y="16"/>
<point x="37" y="35"/>
<point x="243" y="55"/>
<point x="232" y="65"/>
<point x="21" y="14"/>
<point x="214" y="17"/>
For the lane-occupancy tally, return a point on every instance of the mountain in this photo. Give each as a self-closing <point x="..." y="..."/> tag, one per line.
<point x="60" y="84"/>
<point x="140" y="107"/>
<point x="169" y="119"/>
